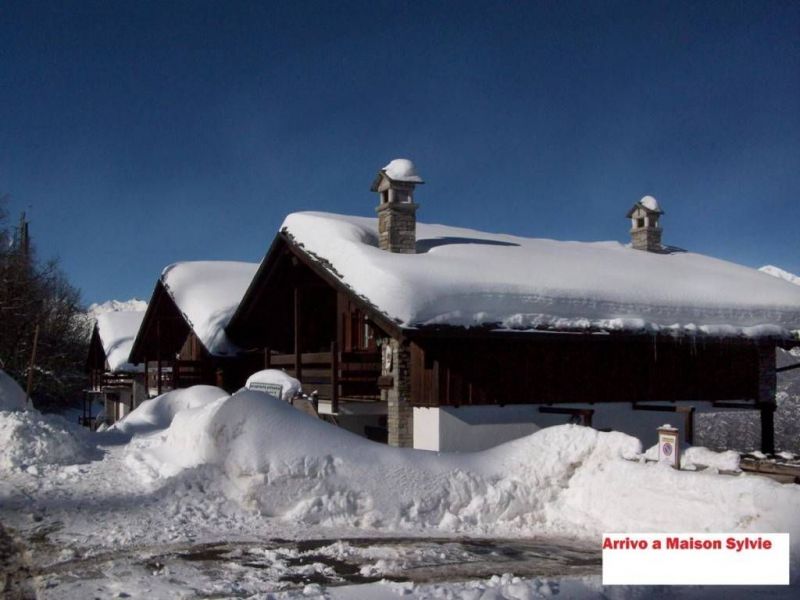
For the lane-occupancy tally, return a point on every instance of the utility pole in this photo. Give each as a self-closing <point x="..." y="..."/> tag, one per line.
<point x="28" y="403"/>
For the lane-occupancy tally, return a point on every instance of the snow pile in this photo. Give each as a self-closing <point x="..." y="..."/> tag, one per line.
<point x="780" y="274"/>
<point x="567" y="479"/>
<point x="697" y="456"/>
<point x="694" y="457"/>
<point x="29" y="439"/>
<point x="471" y="278"/>
<point x="157" y="413"/>
<point x="262" y="380"/>
<point x="208" y="293"/>
<point x="117" y="331"/>
<point x="12" y="397"/>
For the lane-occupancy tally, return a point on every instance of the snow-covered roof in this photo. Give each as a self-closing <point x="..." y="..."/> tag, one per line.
<point x="470" y="278"/>
<point x="207" y="293"/>
<point x="117" y="331"/>
<point x="402" y="169"/>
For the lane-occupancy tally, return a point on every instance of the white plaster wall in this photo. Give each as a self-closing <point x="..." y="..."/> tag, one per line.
<point x="426" y="428"/>
<point x="471" y="428"/>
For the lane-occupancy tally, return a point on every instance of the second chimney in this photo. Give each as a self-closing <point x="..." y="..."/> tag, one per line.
<point x="645" y="230"/>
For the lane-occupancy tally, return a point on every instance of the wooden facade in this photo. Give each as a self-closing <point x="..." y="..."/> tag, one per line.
<point x="116" y="390"/>
<point x="300" y="323"/>
<point x="302" y="318"/>
<point x="174" y="357"/>
<point x="453" y="369"/>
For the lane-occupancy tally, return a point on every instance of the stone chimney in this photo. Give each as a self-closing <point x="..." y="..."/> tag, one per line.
<point x="645" y="230"/>
<point x="397" y="212"/>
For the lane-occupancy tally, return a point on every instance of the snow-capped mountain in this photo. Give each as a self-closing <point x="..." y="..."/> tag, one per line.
<point x="132" y="305"/>
<point x="780" y="273"/>
<point x="88" y="319"/>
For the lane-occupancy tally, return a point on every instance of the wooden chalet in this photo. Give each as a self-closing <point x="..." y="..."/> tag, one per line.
<point x="324" y="309"/>
<point x="113" y="379"/>
<point x="181" y="341"/>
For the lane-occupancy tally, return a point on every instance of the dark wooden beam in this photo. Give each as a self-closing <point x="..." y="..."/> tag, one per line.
<point x="585" y="414"/>
<point x="334" y="378"/>
<point x="735" y="405"/>
<point x="298" y="369"/>
<point x="787" y="368"/>
<point x="380" y="319"/>
<point x="768" y="428"/>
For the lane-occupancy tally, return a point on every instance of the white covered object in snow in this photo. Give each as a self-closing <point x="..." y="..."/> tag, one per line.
<point x="12" y="396"/>
<point x="270" y="380"/>
<point x="207" y="293"/>
<point x="472" y="278"/>
<point x="117" y="331"/>
<point x="157" y="413"/>
<point x="402" y="169"/>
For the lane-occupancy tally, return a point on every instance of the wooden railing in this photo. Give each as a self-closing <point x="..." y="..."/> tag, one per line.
<point x="333" y="375"/>
<point x="176" y="374"/>
<point x="117" y="379"/>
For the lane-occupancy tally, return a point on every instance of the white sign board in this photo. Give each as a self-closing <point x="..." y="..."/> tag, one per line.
<point x="668" y="448"/>
<point x="273" y="389"/>
<point x="696" y="559"/>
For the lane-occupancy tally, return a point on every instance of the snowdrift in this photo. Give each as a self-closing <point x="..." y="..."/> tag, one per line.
<point x="157" y="413"/>
<point x="29" y="440"/>
<point x="568" y="479"/>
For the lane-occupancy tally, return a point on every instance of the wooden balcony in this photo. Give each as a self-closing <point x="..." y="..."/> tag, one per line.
<point x="175" y="374"/>
<point x="334" y="375"/>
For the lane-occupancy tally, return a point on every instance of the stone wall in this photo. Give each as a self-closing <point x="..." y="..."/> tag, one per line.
<point x="646" y="238"/>
<point x="398" y="398"/>
<point x="397" y="227"/>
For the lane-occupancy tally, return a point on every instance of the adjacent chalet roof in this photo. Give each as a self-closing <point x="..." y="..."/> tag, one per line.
<point x="468" y="278"/>
<point x="116" y="331"/>
<point x="203" y="296"/>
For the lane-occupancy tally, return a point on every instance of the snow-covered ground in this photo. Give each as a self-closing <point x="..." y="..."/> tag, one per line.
<point x="197" y="493"/>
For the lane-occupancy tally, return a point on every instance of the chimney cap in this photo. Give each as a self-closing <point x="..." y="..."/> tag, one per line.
<point x="649" y="203"/>
<point x="402" y="169"/>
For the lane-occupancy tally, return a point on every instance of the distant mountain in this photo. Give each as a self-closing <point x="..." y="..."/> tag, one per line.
<point x="780" y="273"/>
<point x="132" y="305"/>
<point x="88" y="318"/>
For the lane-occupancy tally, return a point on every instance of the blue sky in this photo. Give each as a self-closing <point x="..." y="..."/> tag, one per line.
<point x="137" y="134"/>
